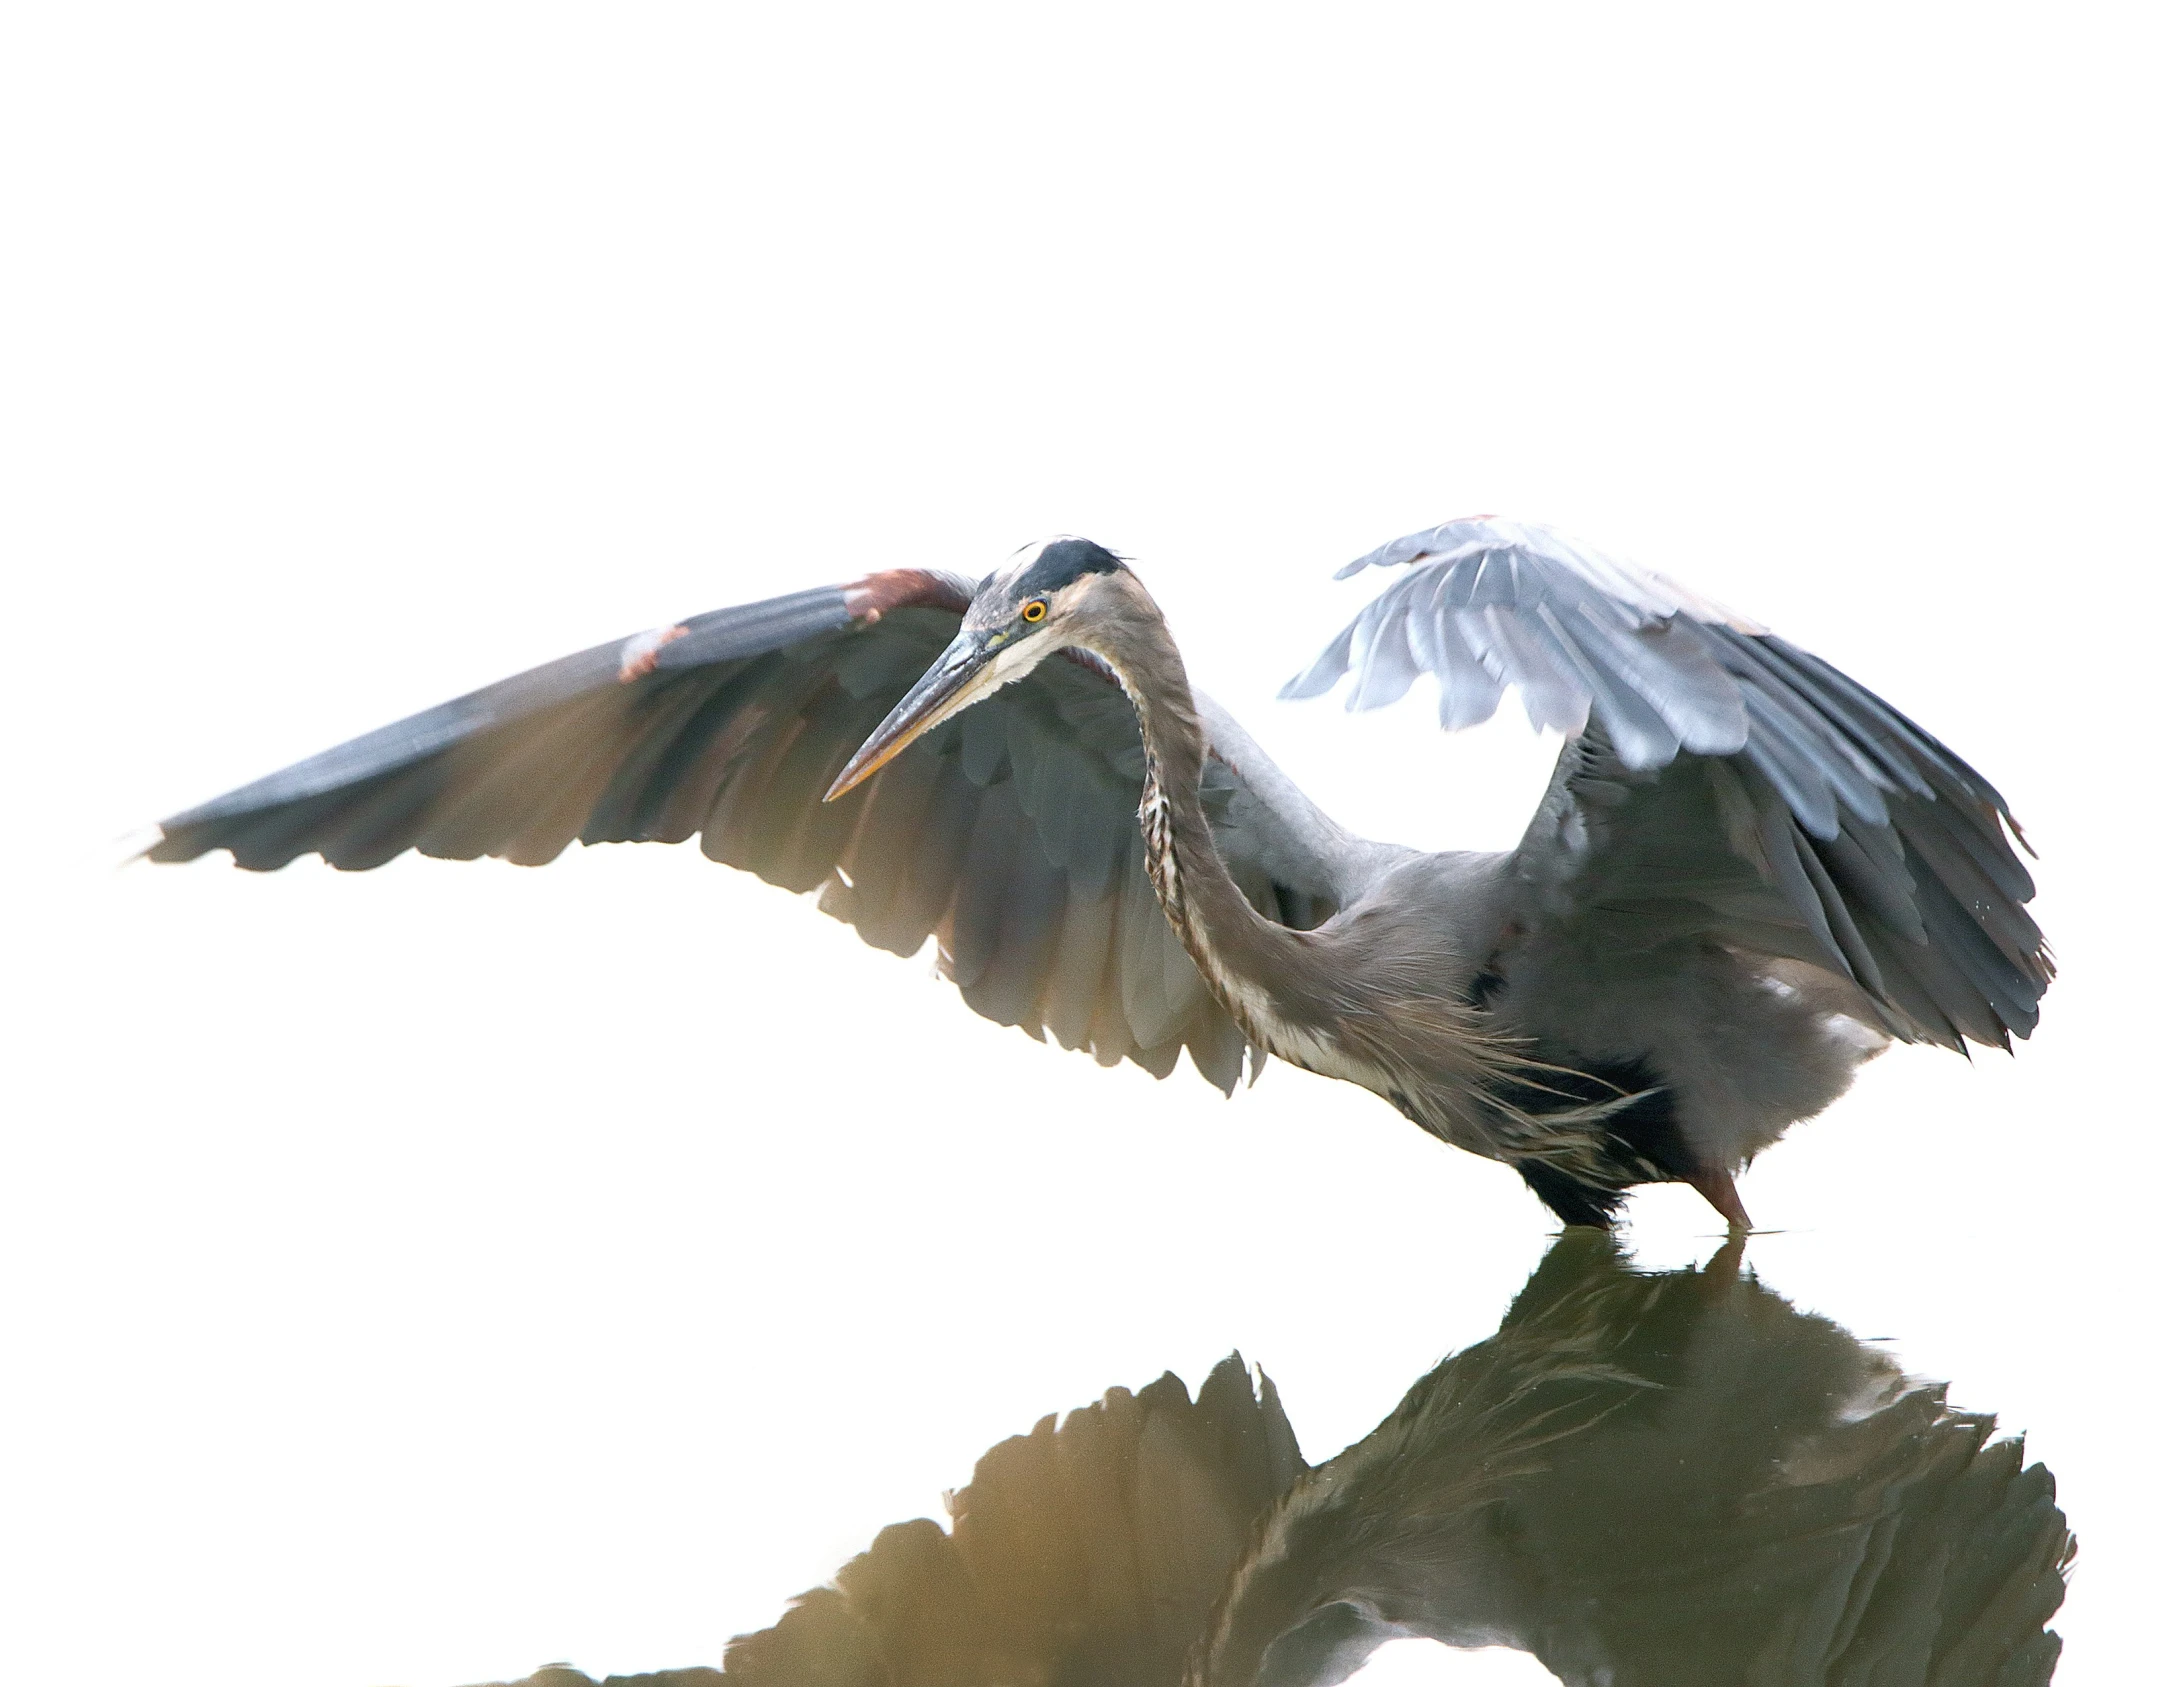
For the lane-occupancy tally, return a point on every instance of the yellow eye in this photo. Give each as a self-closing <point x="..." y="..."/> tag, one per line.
<point x="1034" y="611"/>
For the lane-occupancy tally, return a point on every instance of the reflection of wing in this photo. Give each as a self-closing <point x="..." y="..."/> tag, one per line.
<point x="1671" y="1480"/>
<point x="1084" y="1552"/>
<point x="1723" y="783"/>
<point x="1010" y="833"/>
<point x="560" y="1675"/>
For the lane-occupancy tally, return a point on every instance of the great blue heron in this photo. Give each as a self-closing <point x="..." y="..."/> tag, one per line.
<point x="1645" y="1479"/>
<point x="1747" y="875"/>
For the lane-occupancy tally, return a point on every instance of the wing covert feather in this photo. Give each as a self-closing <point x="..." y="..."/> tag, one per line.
<point x="1830" y="830"/>
<point x="1008" y="834"/>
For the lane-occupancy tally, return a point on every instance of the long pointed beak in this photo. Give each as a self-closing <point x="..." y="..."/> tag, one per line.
<point x="950" y="685"/>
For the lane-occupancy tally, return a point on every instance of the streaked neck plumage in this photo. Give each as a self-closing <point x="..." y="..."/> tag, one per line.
<point x="1235" y="948"/>
<point x="1324" y="1000"/>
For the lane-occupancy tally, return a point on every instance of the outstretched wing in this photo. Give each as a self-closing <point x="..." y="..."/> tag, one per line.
<point x="1721" y="782"/>
<point x="1009" y="834"/>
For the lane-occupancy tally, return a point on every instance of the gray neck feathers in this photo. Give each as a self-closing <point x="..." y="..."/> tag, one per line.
<point x="1224" y="934"/>
<point x="1328" y="1000"/>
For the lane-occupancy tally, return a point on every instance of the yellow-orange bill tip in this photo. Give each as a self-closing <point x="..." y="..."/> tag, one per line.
<point x="861" y="767"/>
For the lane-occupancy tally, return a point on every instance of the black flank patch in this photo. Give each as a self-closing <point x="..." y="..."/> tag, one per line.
<point x="1643" y="1142"/>
<point x="1484" y="990"/>
<point x="1571" y="1201"/>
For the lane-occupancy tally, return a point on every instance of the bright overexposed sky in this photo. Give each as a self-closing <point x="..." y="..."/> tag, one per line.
<point x="416" y="1276"/>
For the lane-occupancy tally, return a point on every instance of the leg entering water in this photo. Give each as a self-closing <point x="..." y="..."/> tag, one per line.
<point x="1719" y="1187"/>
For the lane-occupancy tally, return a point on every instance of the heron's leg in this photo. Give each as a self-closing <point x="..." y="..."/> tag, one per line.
<point x="1719" y="1187"/>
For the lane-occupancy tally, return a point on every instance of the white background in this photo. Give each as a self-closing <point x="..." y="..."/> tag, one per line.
<point x="419" y="1275"/>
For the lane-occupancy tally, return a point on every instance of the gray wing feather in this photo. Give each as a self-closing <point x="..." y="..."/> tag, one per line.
<point x="1009" y="834"/>
<point x="1725" y="849"/>
<point x="1833" y="830"/>
<point x="1072" y="991"/>
<point x="1488" y="605"/>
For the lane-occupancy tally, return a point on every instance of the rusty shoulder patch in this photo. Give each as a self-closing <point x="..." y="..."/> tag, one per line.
<point x="640" y="655"/>
<point x="903" y="588"/>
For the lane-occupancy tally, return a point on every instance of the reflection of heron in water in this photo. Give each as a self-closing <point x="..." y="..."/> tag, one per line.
<point x="1649" y="1481"/>
<point x="1671" y="1480"/>
<point x="1747" y="875"/>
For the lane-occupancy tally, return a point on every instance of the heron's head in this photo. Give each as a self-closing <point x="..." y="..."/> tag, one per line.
<point x="1050" y="595"/>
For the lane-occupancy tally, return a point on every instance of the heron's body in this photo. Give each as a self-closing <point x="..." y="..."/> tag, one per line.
<point x="1747" y="876"/>
<point x="1441" y="965"/>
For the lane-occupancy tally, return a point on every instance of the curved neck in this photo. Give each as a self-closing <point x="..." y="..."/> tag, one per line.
<point x="1224" y="934"/>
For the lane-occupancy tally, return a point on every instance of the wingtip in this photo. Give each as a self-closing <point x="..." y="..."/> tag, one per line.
<point x="132" y="846"/>
<point x="2023" y="842"/>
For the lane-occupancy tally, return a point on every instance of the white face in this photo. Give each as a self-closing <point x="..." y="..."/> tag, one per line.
<point x="1015" y="655"/>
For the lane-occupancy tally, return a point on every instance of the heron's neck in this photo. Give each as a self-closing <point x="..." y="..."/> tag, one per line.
<point x="1224" y="934"/>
